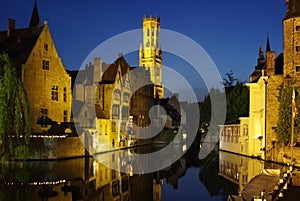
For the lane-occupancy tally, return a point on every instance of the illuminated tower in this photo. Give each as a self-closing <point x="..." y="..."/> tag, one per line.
<point x="151" y="55"/>
<point x="291" y="38"/>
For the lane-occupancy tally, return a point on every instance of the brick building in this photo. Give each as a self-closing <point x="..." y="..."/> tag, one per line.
<point x="269" y="74"/>
<point x="38" y="65"/>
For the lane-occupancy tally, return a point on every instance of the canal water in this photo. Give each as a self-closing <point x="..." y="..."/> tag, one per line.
<point x="213" y="178"/>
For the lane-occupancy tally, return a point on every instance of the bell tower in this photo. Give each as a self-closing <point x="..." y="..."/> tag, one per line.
<point x="150" y="53"/>
<point x="291" y="38"/>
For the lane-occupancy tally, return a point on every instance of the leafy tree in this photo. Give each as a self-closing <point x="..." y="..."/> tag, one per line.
<point x="284" y="124"/>
<point x="237" y="102"/>
<point x="230" y="81"/>
<point x="15" y="128"/>
<point x="205" y="114"/>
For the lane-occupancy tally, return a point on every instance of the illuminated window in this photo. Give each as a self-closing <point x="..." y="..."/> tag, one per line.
<point x="54" y="92"/>
<point x="45" y="65"/>
<point x="65" y="94"/>
<point x="65" y="115"/>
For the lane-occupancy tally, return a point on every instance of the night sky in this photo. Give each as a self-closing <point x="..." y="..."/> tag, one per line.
<point x="230" y="31"/>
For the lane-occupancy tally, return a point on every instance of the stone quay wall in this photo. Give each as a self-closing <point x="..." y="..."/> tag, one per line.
<point x="47" y="148"/>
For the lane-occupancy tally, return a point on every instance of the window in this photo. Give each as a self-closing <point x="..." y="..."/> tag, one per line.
<point x="126" y="97"/>
<point x="298" y="69"/>
<point x="44" y="112"/>
<point x="65" y="115"/>
<point x="45" y="65"/>
<point x="46" y="47"/>
<point x="115" y="111"/>
<point x="113" y="126"/>
<point x="65" y="94"/>
<point x="125" y="185"/>
<point x="245" y="129"/>
<point x="115" y="187"/>
<point x="297" y="28"/>
<point x="44" y="115"/>
<point x="148" y="32"/>
<point x="117" y="94"/>
<point x="54" y="92"/>
<point x="297" y="48"/>
<point x="125" y="112"/>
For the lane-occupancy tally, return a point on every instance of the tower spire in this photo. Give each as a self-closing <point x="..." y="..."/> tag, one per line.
<point x="268" y="47"/>
<point x="293" y="9"/>
<point x="261" y="59"/>
<point x="35" y="19"/>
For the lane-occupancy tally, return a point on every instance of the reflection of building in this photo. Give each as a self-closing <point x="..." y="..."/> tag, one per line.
<point x="151" y="55"/>
<point x="38" y="65"/>
<point x="238" y="169"/>
<point x="269" y="74"/>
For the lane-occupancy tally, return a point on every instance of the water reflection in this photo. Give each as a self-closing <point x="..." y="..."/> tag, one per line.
<point x="214" y="178"/>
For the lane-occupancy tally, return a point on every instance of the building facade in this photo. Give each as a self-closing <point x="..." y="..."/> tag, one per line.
<point x="38" y="65"/>
<point x="151" y="55"/>
<point x="104" y="92"/>
<point x="268" y="76"/>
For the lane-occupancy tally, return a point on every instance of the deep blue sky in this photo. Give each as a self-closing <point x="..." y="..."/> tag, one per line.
<point x="230" y="31"/>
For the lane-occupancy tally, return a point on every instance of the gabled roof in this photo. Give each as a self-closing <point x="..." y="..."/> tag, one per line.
<point x="99" y="113"/>
<point x="19" y="43"/>
<point x="278" y="69"/>
<point x="110" y="74"/>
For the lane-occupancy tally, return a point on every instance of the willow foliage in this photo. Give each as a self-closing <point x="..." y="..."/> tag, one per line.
<point x="15" y="128"/>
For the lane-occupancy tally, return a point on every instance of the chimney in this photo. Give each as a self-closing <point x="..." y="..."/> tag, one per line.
<point x="97" y="69"/>
<point x="11" y="26"/>
<point x="270" y="58"/>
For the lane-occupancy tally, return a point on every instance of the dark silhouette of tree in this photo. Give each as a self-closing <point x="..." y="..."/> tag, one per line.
<point x="230" y="80"/>
<point x="237" y="102"/>
<point x="15" y="126"/>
